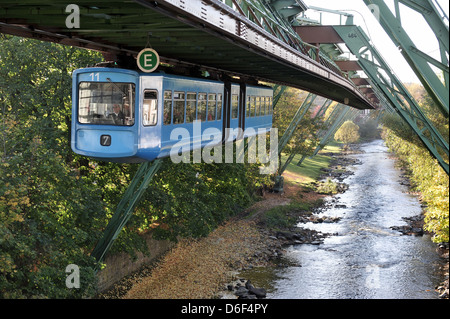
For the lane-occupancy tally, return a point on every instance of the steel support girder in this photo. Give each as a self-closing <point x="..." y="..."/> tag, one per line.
<point x="272" y="17"/>
<point x="278" y="91"/>
<point x="418" y="60"/>
<point x="287" y="135"/>
<point x="398" y="96"/>
<point x="433" y="18"/>
<point x="343" y="113"/>
<point x="319" y="114"/>
<point x="287" y="8"/>
<point x="124" y="210"/>
<point x="202" y="34"/>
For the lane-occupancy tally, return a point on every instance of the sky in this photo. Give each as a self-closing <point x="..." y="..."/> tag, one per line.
<point x="412" y="22"/>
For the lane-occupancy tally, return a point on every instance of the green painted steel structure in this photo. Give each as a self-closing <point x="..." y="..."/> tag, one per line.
<point x="246" y="38"/>
<point x="400" y="100"/>
<point x="317" y="116"/>
<point x="420" y="61"/>
<point x="287" y="135"/>
<point x="125" y="209"/>
<point x="251" y="39"/>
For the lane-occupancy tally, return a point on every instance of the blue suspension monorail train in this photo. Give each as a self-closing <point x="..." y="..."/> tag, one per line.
<point x="126" y="116"/>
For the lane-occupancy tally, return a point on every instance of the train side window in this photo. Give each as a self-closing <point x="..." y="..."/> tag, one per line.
<point x="263" y="106"/>
<point x="167" y="107"/>
<point x="270" y="105"/>
<point x="258" y="105"/>
<point x="201" y="112"/>
<point x="234" y="106"/>
<point x="247" y="110"/>
<point x="150" y="108"/>
<point x="191" y="106"/>
<point x="211" y="107"/>
<point x="219" y="107"/>
<point x="252" y="106"/>
<point x="178" y="107"/>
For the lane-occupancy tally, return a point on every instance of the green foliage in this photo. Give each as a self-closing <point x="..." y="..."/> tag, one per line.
<point x="55" y="204"/>
<point x="192" y="199"/>
<point x="284" y="217"/>
<point x="347" y="133"/>
<point x="327" y="187"/>
<point x="278" y="218"/>
<point x="48" y="215"/>
<point x="304" y="139"/>
<point x="425" y="173"/>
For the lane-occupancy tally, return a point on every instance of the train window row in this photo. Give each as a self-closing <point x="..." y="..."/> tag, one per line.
<point x="259" y="106"/>
<point x="185" y="107"/>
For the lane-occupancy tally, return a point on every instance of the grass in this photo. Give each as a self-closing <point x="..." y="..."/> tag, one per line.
<point x="283" y="217"/>
<point x="310" y="170"/>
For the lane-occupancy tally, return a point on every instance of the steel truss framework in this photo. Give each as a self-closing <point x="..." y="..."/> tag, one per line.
<point x="261" y="33"/>
<point x="393" y="91"/>
<point x="248" y="38"/>
<point x="420" y="61"/>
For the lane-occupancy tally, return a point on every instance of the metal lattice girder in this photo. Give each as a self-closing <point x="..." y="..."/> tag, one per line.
<point x="418" y="60"/>
<point x="126" y="207"/>
<point x="393" y="90"/>
<point x="341" y="114"/>
<point x="287" y="135"/>
<point x="319" y="114"/>
<point x="276" y="17"/>
<point x="278" y="91"/>
<point x="206" y="35"/>
<point x="288" y="8"/>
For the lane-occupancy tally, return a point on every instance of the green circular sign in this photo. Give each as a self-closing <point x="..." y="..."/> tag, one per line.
<point x="148" y="60"/>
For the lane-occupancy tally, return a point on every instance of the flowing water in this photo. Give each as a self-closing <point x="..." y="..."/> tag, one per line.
<point x="363" y="258"/>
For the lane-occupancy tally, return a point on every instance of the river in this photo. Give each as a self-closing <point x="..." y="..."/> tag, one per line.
<point x="363" y="258"/>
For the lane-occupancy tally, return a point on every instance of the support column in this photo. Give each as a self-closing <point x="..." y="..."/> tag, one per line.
<point x="125" y="209"/>
<point x="287" y="135"/>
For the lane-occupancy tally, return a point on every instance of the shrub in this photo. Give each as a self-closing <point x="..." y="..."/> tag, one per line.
<point x="347" y="133"/>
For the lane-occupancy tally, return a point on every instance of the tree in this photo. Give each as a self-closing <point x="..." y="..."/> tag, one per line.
<point x="54" y="204"/>
<point x="347" y="133"/>
<point x="49" y="216"/>
<point x="304" y="138"/>
<point x="425" y="172"/>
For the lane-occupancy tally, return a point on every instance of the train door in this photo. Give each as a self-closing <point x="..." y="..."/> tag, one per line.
<point x="235" y="112"/>
<point x="242" y="99"/>
<point x="234" y="106"/>
<point x="149" y="118"/>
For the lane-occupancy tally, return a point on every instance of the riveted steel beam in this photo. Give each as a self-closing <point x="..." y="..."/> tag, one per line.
<point x="386" y="82"/>
<point x="125" y="208"/>
<point x="418" y="60"/>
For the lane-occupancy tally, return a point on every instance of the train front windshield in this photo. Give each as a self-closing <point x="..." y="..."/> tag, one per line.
<point x="107" y="103"/>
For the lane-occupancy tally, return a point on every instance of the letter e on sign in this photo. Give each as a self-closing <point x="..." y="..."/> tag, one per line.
<point x="148" y="60"/>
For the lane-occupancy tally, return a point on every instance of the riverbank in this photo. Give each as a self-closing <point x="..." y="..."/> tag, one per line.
<point x="209" y="267"/>
<point x="415" y="227"/>
<point x="202" y="268"/>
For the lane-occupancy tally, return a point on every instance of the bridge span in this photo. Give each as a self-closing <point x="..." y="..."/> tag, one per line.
<point x="210" y="35"/>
